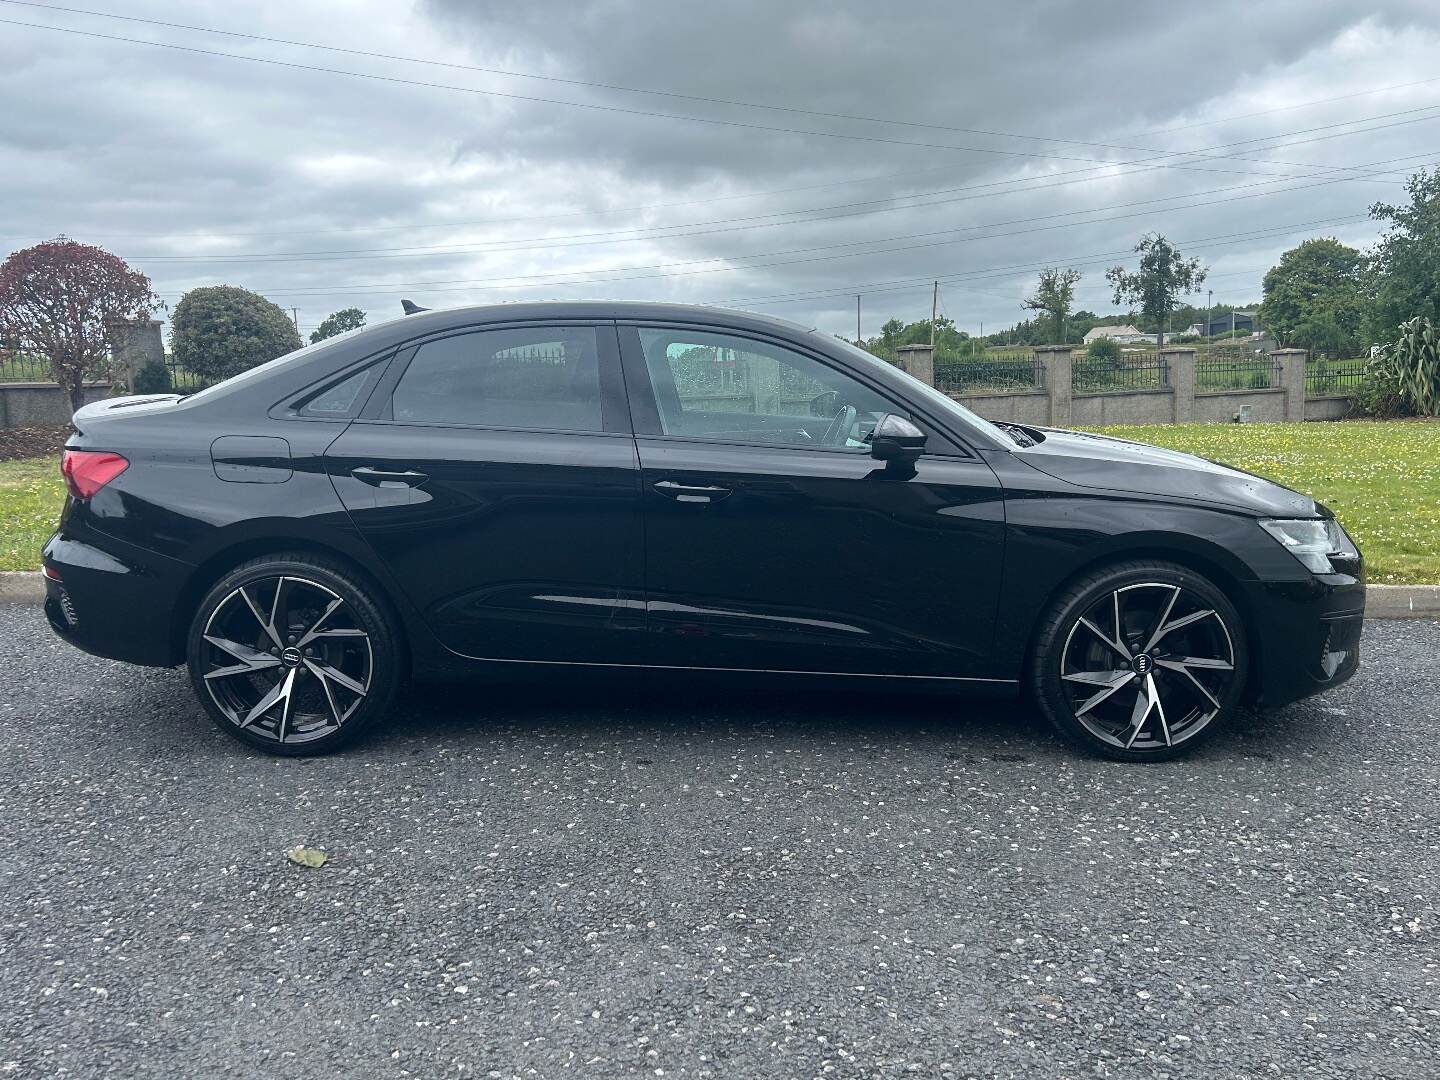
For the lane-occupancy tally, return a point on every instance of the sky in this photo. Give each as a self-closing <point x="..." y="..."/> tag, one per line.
<point x="777" y="157"/>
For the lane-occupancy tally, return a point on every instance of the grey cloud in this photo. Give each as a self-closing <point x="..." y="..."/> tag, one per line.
<point x="123" y="143"/>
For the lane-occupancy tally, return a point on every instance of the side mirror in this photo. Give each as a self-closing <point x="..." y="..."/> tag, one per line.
<point x="896" y="439"/>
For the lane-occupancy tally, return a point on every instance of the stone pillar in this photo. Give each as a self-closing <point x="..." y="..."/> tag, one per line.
<point x="762" y="373"/>
<point x="1292" y="380"/>
<point x="1180" y="366"/>
<point x="918" y="360"/>
<point x="133" y="344"/>
<point x="1059" y="381"/>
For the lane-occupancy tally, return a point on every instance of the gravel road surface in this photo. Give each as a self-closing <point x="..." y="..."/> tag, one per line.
<point x="682" y="882"/>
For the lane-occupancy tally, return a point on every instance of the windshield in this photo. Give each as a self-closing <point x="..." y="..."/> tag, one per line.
<point x="942" y="402"/>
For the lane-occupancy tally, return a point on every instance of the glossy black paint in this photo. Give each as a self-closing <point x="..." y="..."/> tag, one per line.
<point x="520" y="549"/>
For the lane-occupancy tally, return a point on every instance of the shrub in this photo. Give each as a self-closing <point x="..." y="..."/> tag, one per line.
<point x="153" y="378"/>
<point x="1104" y="349"/>
<point x="219" y="331"/>
<point x="1404" y="377"/>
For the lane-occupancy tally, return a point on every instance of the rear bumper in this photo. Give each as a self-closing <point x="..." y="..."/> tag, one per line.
<point x="1308" y="636"/>
<point x="112" y="606"/>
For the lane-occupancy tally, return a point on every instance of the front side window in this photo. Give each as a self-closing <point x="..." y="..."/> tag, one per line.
<point x="737" y="389"/>
<point x="528" y="377"/>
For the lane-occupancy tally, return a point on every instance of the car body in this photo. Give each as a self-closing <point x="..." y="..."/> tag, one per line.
<point x="545" y="488"/>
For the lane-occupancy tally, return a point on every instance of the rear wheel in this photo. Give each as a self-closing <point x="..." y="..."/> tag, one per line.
<point x="1140" y="661"/>
<point x="291" y="654"/>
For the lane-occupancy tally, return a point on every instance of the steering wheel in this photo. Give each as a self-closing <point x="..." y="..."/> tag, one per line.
<point x="839" y="428"/>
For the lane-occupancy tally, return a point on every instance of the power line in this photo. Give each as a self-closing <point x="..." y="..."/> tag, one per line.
<point x="539" y="280"/>
<point x="470" y="285"/>
<point x="766" y="106"/>
<point x="397" y="80"/>
<point x="746" y="224"/>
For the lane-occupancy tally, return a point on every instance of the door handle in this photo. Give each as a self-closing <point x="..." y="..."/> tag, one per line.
<point x="371" y="475"/>
<point x="692" y="493"/>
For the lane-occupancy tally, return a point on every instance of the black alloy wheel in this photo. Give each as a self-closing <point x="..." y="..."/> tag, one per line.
<point x="1140" y="661"/>
<point x="292" y="655"/>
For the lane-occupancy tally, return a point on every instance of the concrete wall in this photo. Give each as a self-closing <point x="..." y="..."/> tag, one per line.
<point x="1123" y="407"/>
<point x="1059" y="406"/>
<point x="1220" y="407"/>
<point x="1328" y="408"/>
<point x="1030" y="408"/>
<point x="38" y="404"/>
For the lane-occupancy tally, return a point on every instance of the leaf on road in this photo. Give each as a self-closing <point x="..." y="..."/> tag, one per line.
<point x="306" y="856"/>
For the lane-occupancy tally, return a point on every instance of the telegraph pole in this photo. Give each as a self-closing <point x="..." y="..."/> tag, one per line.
<point x="857" y="319"/>
<point x="934" y="311"/>
<point x="295" y="318"/>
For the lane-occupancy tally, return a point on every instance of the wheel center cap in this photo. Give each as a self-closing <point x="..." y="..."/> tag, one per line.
<point x="290" y="657"/>
<point x="1143" y="664"/>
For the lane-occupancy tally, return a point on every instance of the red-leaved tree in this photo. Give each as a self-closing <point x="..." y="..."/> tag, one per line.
<point x="60" y="298"/>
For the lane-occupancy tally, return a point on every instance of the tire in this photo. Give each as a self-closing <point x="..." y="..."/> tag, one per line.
<point x="1169" y="680"/>
<point x="308" y="682"/>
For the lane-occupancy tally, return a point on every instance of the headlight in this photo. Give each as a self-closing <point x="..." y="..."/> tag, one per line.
<point x="1312" y="541"/>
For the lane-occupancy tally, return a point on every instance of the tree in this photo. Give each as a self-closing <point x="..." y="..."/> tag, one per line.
<point x="1053" y="296"/>
<point x="218" y="331"/>
<point x="1314" y="299"/>
<point x="1406" y="261"/>
<point x="350" y="318"/>
<point x="1155" y="288"/>
<point x="61" y="298"/>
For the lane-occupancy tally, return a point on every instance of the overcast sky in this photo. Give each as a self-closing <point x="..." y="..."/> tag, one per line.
<point x="975" y="147"/>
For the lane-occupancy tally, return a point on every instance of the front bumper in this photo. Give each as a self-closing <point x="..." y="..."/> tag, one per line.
<point x="1307" y="636"/>
<point x="110" y="605"/>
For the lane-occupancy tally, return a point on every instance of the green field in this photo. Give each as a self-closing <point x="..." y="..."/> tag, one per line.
<point x="31" y="492"/>
<point x="1381" y="478"/>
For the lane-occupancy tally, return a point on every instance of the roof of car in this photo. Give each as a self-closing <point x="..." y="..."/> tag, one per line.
<point x="600" y="309"/>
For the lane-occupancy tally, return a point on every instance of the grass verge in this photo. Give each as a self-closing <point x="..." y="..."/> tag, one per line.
<point x="31" y="492"/>
<point x="1382" y="479"/>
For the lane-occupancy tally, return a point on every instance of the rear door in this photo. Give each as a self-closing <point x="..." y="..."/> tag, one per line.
<point x="495" y="473"/>
<point x="775" y="542"/>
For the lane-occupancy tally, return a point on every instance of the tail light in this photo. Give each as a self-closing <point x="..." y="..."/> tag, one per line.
<point x="87" y="471"/>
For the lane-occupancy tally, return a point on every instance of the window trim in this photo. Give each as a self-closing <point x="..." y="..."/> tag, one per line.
<point x="645" y="411"/>
<point x="291" y="407"/>
<point x="614" y="403"/>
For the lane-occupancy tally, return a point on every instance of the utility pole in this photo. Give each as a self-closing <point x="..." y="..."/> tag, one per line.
<point x="934" y="311"/>
<point x="1209" y="310"/>
<point x="295" y="318"/>
<point x="858" y="338"/>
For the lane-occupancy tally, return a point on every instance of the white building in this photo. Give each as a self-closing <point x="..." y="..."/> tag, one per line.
<point x="1121" y="335"/>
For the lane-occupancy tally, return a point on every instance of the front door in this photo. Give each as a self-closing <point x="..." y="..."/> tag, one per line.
<point x="497" y="478"/>
<point x="774" y="541"/>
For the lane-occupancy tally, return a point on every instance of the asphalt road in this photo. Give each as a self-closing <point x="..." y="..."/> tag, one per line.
<point x="664" y="883"/>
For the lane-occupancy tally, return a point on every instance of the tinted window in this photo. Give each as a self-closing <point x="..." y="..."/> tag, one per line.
<point x="341" y="398"/>
<point x="741" y="390"/>
<point x="536" y="377"/>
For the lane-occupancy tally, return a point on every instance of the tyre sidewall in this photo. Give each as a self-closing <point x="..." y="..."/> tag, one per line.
<point x="367" y="608"/>
<point x="1050" y="691"/>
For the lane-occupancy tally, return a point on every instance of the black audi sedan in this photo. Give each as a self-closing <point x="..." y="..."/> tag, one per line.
<point x="546" y="489"/>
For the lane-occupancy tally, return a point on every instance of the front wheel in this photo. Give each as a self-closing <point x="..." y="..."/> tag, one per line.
<point x="291" y="654"/>
<point x="1140" y="661"/>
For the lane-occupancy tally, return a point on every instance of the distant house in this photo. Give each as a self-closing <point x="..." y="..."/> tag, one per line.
<point x="1121" y="335"/>
<point x="1221" y="324"/>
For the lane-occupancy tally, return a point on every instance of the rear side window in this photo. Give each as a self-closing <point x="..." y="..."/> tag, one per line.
<point x="342" y="398"/>
<point x="529" y="377"/>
